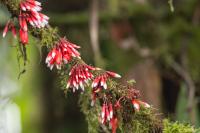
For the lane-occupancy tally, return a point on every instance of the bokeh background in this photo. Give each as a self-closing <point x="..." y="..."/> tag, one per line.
<point x="143" y="40"/>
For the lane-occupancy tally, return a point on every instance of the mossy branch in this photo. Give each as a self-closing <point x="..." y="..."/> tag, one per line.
<point x="143" y="121"/>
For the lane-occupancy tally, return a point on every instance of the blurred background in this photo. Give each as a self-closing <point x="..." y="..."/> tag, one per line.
<point x="140" y="39"/>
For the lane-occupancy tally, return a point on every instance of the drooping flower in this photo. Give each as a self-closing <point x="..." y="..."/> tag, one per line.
<point x="68" y="50"/>
<point x="62" y="53"/>
<point x="79" y="76"/>
<point x="100" y="81"/>
<point x="106" y="112"/>
<point x="30" y="11"/>
<point x="23" y="35"/>
<point x="10" y="26"/>
<point x="54" y="58"/>
<point x="114" y="124"/>
<point x="137" y="103"/>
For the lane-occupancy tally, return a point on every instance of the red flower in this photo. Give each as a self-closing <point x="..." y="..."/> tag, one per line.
<point x="30" y="10"/>
<point x="30" y="13"/>
<point x="64" y="52"/>
<point x="54" y="58"/>
<point x="114" y="124"/>
<point x="23" y="35"/>
<point x="79" y="75"/>
<point x="138" y="103"/>
<point x="10" y="26"/>
<point x="68" y="50"/>
<point x="100" y="81"/>
<point x="106" y="113"/>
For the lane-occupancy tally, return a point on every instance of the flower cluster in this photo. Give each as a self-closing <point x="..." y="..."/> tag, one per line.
<point x="62" y="53"/>
<point x="10" y="26"/>
<point x="99" y="83"/>
<point x="107" y="115"/>
<point x="79" y="75"/>
<point x="137" y="103"/>
<point x="29" y="12"/>
<point x="54" y="57"/>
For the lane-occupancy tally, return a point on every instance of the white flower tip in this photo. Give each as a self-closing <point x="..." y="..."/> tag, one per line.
<point x="105" y="86"/>
<point x="136" y="106"/>
<point x="4" y="34"/>
<point x="51" y="67"/>
<point x="97" y="68"/>
<point x="118" y="76"/>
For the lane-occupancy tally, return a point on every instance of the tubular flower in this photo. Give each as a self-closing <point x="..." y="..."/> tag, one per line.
<point x="100" y="81"/>
<point x="106" y="113"/>
<point x="79" y="75"/>
<point x="9" y="26"/>
<point x="68" y="50"/>
<point x="138" y="103"/>
<point x="62" y="53"/>
<point x="54" y="58"/>
<point x="114" y="124"/>
<point x="23" y="35"/>
<point x="30" y="11"/>
<point x="30" y="14"/>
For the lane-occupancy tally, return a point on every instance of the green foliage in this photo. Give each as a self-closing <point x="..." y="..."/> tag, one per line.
<point x="176" y="127"/>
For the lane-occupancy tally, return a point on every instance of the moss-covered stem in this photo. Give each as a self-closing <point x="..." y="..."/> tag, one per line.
<point x="129" y="121"/>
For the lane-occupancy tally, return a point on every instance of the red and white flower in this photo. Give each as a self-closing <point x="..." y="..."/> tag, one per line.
<point x="54" y="58"/>
<point x="30" y="11"/>
<point x="62" y="53"/>
<point x="9" y="26"/>
<point x="106" y="113"/>
<point x="68" y="50"/>
<point x="100" y="81"/>
<point x="137" y="103"/>
<point x="79" y="76"/>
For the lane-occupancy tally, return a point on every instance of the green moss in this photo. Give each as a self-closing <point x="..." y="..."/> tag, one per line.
<point x="176" y="127"/>
<point x="143" y="121"/>
<point x="91" y="113"/>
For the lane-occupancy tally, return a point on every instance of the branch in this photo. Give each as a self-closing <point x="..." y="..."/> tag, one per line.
<point x="131" y="114"/>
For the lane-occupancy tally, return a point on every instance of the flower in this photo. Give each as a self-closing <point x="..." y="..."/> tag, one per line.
<point x="30" y="11"/>
<point x="54" y="58"/>
<point x="137" y="103"/>
<point x="9" y="26"/>
<point x="106" y="113"/>
<point x="114" y="124"/>
<point x="62" y="53"/>
<point x="79" y="75"/>
<point x="100" y="81"/>
<point x="68" y="50"/>
<point x="23" y="35"/>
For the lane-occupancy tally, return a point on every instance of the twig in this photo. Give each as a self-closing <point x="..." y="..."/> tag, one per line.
<point x="94" y="30"/>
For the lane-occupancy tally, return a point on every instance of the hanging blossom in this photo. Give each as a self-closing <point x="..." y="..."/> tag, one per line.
<point x="54" y="57"/>
<point x="138" y="103"/>
<point x="10" y="26"/>
<point x="30" y="13"/>
<point x="99" y="83"/>
<point x="62" y="53"/>
<point x="79" y="76"/>
<point x="107" y="115"/>
<point x="106" y="112"/>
